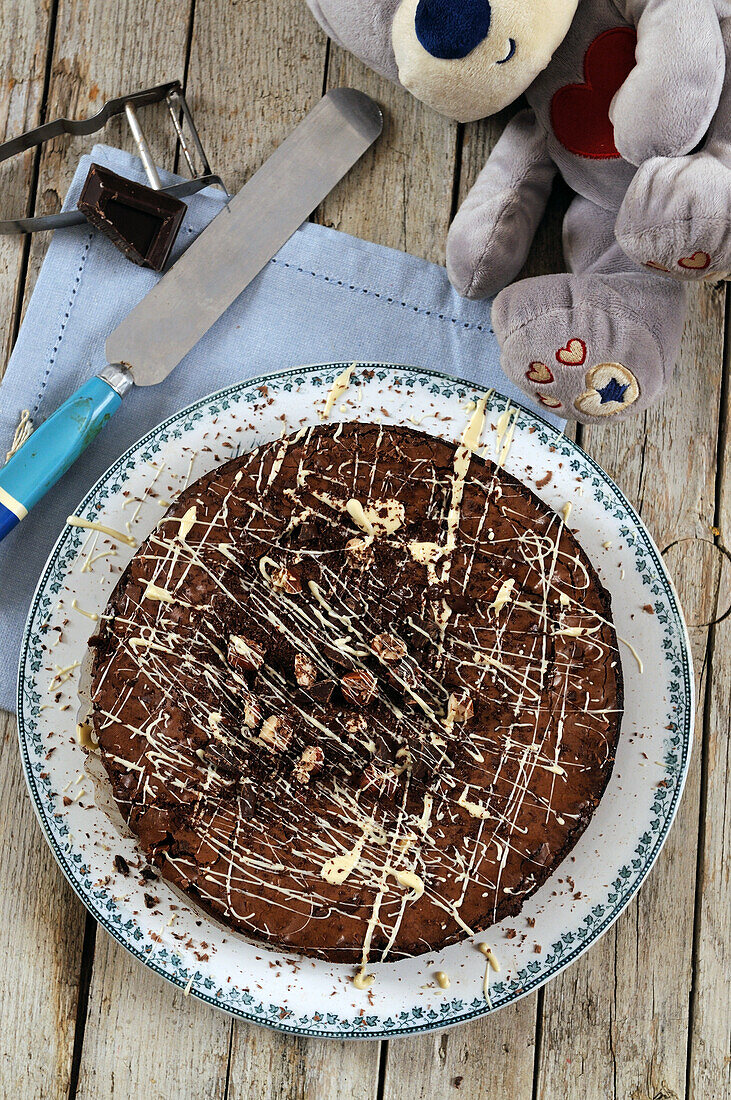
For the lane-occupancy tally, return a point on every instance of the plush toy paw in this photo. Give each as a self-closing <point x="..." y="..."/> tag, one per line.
<point x="482" y="255"/>
<point x="487" y="248"/>
<point x="611" y="388"/>
<point x="674" y="218"/>
<point x="583" y="347"/>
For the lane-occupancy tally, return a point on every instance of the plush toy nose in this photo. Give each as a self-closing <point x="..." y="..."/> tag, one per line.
<point x="451" y="29"/>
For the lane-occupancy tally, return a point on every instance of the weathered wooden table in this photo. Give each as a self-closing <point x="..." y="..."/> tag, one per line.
<point x="646" y="1014"/>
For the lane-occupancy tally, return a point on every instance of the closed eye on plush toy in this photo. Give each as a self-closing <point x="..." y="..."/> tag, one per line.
<point x="512" y="46"/>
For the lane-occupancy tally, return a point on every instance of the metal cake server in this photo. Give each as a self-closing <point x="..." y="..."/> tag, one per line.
<point x="200" y="286"/>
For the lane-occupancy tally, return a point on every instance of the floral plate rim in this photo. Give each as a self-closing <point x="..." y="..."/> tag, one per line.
<point x="571" y="945"/>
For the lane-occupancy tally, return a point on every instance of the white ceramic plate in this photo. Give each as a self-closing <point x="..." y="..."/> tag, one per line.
<point x="577" y="904"/>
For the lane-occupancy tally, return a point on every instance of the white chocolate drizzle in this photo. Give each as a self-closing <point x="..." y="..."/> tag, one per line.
<point x="154" y="592"/>
<point x="524" y="644"/>
<point x="338" y="388"/>
<point x="361" y="980"/>
<point x="92" y="525"/>
<point x="87" y="614"/>
<point x="186" y="523"/>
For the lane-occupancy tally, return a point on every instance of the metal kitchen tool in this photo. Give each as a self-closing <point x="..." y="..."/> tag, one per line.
<point x="182" y="120"/>
<point x="200" y="286"/>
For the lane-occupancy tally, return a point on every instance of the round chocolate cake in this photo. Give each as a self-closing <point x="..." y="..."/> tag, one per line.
<point x="359" y="693"/>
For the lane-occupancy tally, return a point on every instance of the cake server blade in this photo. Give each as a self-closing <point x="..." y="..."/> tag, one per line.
<point x="202" y="284"/>
<point x="244" y="236"/>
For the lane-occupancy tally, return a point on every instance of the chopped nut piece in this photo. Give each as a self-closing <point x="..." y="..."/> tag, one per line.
<point x="245" y="653"/>
<point x="313" y="757"/>
<point x="378" y="780"/>
<point x="305" y="670"/>
<point x="309" y="763"/>
<point x="355" y="723"/>
<point x="286" y="580"/>
<point x="276" y="734"/>
<point x="405" y="761"/>
<point x="389" y="648"/>
<point x="359" y="553"/>
<point x="359" y="686"/>
<point x="252" y="710"/>
<point x="460" y="708"/>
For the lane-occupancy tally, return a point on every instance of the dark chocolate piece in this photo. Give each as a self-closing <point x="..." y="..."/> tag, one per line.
<point x="437" y="781"/>
<point x="141" y="222"/>
<point x="121" y="865"/>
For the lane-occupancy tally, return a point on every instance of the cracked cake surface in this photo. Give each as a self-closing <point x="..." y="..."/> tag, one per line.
<point x="359" y="693"/>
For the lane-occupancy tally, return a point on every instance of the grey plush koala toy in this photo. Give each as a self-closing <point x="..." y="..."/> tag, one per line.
<point x="631" y="101"/>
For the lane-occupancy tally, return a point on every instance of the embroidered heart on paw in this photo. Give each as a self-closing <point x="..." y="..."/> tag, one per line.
<point x="549" y="402"/>
<point x="574" y="354"/>
<point x="539" y="372"/>
<point x="699" y="261"/>
<point x="580" y="112"/>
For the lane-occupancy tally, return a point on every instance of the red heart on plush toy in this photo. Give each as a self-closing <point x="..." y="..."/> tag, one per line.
<point x="539" y="372"/>
<point x="699" y="261"/>
<point x="549" y="402"/>
<point x="574" y="354"/>
<point x="580" y="112"/>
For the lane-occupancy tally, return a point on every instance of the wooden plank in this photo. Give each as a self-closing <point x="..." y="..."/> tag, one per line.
<point x="710" y="1040"/>
<point x="41" y="933"/>
<point x="390" y="197"/>
<point x="145" y="1038"/>
<point x="492" y="1057"/>
<point x="500" y="1049"/>
<point x="40" y="943"/>
<point x="254" y="71"/>
<point x="400" y="193"/>
<point x="24" y="30"/>
<point x="626" y="1035"/>
<point x="281" y="1067"/>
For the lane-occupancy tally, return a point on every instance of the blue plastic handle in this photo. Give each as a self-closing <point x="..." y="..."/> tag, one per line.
<point x="52" y="448"/>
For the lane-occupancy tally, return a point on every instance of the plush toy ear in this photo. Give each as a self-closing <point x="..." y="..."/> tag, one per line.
<point x="363" y="27"/>
<point x="450" y="30"/>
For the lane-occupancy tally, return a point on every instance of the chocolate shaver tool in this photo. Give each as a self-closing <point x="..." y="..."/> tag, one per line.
<point x="189" y="141"/>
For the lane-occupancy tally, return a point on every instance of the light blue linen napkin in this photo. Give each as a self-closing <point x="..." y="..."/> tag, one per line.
<point x="325" y="297"/>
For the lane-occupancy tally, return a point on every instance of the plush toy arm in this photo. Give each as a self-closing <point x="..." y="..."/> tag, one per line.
<point x="489" y="238"/>
<point x="667" y="102"/>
